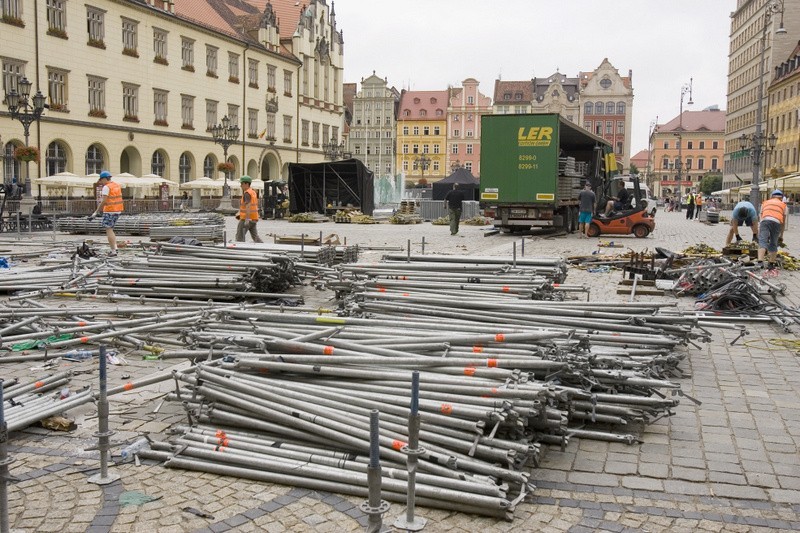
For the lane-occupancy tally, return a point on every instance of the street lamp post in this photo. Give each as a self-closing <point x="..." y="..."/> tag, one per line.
<point x="422" y="162"/>
<point x="334" y="151"/>
<point x="756" y="143"/>
<point x="685" y="89"/>
<point x="27" y="110"/>
<point x="225" y="134"/>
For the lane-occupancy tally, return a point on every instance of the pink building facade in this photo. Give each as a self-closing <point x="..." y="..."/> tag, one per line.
<point x="466" y="105"/>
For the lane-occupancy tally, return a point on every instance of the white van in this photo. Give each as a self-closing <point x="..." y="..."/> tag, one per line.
<point x="648" y="197"/>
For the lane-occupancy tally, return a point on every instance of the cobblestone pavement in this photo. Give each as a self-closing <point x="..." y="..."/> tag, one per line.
<point x="730" y="464"/>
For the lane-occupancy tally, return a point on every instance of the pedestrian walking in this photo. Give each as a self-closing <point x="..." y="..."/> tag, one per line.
<point x="770" y="228"/>
<point x="248" y="212"/>
<point x="698" y="205"/>
<point x="743" y="213"/>
<point x="690" y="206"/>
<point x="111" y="206"/>
<point x="455" y="200"/>
<point x="587" y="200"/>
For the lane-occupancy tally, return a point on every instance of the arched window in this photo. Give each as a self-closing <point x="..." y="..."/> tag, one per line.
<point x="610" y="108"/>
<point x="598" y="108"/>
<point x="94" y="160"/>
<point x="11" y="168"/>
<point x="56" y="158"/>
<point x="620" y="108"/>
<point x="184" y="167"/>
<point x="157" y="165"/>
<point x="209" y="167"/>
<point x="588" y="108"/>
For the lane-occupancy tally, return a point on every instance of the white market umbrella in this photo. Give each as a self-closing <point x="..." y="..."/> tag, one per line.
<point x="202" y="183"/>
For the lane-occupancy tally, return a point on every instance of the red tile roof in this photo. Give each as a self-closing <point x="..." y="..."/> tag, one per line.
<point x="423" y="105"/>
<point x="706" y="120"/>
<point x="512" y="88"/>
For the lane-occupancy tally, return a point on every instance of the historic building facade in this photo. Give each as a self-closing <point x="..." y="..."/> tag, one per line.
<point x="136" y="86"/>
<point x="702" y="134"/>
<point x="600" y="100"/>
<point x="465" y="107"/>
<point x="422" y="135"/>
<point x="752" y="29"/>
<point x="373" y="127"/>
<point x="783" y="118"/>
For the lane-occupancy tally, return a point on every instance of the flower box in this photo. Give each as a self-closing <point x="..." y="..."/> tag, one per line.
<point x="131" y="52"/>
<point x="188" y="68"/>
<point x="161" y="60"/>
<point x="59" y="108"/>
<point x="14" y="21"/>
<point x="97" y="113"/>
<point x="57" y="32"/>
<point x="96" y="43"/>
<point x="233" y="79"/>
<point x="130" y="118"/>
<point x="253" y="85"/>
<point x="226" y="167"/>
<point x="160" y="123"/>
<point x="211" y="74"/>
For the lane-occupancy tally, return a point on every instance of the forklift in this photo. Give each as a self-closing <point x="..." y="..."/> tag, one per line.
<point x="634" y="217"/>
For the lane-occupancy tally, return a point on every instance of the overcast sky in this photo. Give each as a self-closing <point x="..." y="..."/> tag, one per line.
<point x="428" y="44"/>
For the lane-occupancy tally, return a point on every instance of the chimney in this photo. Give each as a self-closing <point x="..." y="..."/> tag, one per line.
<point x="172" y="6"/>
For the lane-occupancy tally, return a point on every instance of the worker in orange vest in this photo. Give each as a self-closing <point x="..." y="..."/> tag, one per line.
<point x="111" y="207"/>
<point x="698" y="205"/>
<point x="248" y="211"/>
<point x="770" y="228"/>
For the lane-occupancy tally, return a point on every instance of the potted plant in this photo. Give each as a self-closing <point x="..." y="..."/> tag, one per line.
<point x="26" y="153"/>
<point x="226" y="167"/>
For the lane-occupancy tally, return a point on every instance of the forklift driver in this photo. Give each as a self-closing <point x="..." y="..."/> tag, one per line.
<point x="618" y="202"/>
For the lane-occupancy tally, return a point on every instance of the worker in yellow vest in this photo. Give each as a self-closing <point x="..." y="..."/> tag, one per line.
<point x="111" y="207"/>
<point x="770" y="228"/>
<point x="248" y="211"/>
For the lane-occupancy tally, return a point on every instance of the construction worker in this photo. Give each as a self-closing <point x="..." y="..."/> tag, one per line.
<point x="698" y="205"/>
<point x="111" y="206"/>
<point x="248" y="211"/>
<point x="770" y="228"/>
<point x="743" y="213"/>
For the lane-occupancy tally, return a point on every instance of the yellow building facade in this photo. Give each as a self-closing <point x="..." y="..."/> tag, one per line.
<point x="422" y="135"/>
<point x="782" y="118"/>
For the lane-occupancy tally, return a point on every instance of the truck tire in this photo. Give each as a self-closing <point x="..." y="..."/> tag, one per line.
<point x="594" y="230"/>
<point x="641" y="231"/>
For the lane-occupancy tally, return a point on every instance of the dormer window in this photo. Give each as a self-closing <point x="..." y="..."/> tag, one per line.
<point x="507" y="96"/>
<point x="517" y="96"/>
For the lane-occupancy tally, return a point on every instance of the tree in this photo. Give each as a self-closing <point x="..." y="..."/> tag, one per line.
<point x="711" y="182"/>
<point x="633" y="169"/>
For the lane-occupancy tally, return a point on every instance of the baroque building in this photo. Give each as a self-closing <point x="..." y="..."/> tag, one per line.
<point x="373" y="127"/>
<point x="466" y="106"/>
<point x="783" y="117"/>
<point x="136" y="85"/>
<point x="600" y="100"/>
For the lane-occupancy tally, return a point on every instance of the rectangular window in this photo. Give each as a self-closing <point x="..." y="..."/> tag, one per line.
<point x="665" y="163"/>
<point x="405" y="166"/>
<point x="12" y="9"/>
<point x="435" y="148"/>
<point x="315" y="134"/>
<point x="335" y="133"/>
<point x="405" y="130"/>
<point x="435" y="166"/>
<point x="405" y="148"/>
<point x="456" y="133"/>
<point x="701" y="164"/>
<point x="160" y="107"/>
<point x="57" y="89"/>
<point x="97" y="96"/>
<point x="187" y="111"/>
<point x="325" y="132"/>
<point x="387" y="150"/>
<point x="287" y="82"/>
<point x="211" y="114"/>
<point x="56" y="17"/>
<point x="702" y="145"/>
<point x="469" y="149"/>
<point x="305" y="77"/>
<point x="271" y="78"/>
<point x="598" y="127"/>
<point x="609" y="126"/>
<point x="470" y="99"/>
<point x="469" y="133"/>
<point x="620" y="127"/>
<point x="415" y="149"/>
<point x="425" y="149"/>
<point x="714" y="145"/>
<point x="233" y="114"/>
<point x="252" y="73"/>
<point x="130" y="37"/>
<point x="689" y="145"/>
<point x="233" y="67"/>
<point x="187" y="54"/>
<point x="287" y="128"/>
<point x="587" y="125"/>
<point x="252" y="122"/>
<point x="666" y="145"/>
<point x="454" y="149"/>
<point x="468" y="166"/>
<point x="130" y="102"/>
<point x="95" y="19"/>
<point x="271" y="135"/>
<point x="415" y="129"/>
<point x="304" y="132"/>
<point x="714" y="163"/>
<point x="211" y="61"/>
<point x="160" y="45"/>
<point x="426" y="130"/>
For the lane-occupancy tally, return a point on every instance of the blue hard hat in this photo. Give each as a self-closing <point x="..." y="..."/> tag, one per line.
<point x="105" y="174"/>
<point x="777" y="192"/>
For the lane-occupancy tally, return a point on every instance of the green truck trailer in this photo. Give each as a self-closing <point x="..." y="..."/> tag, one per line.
<point x="532" y="168"/>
